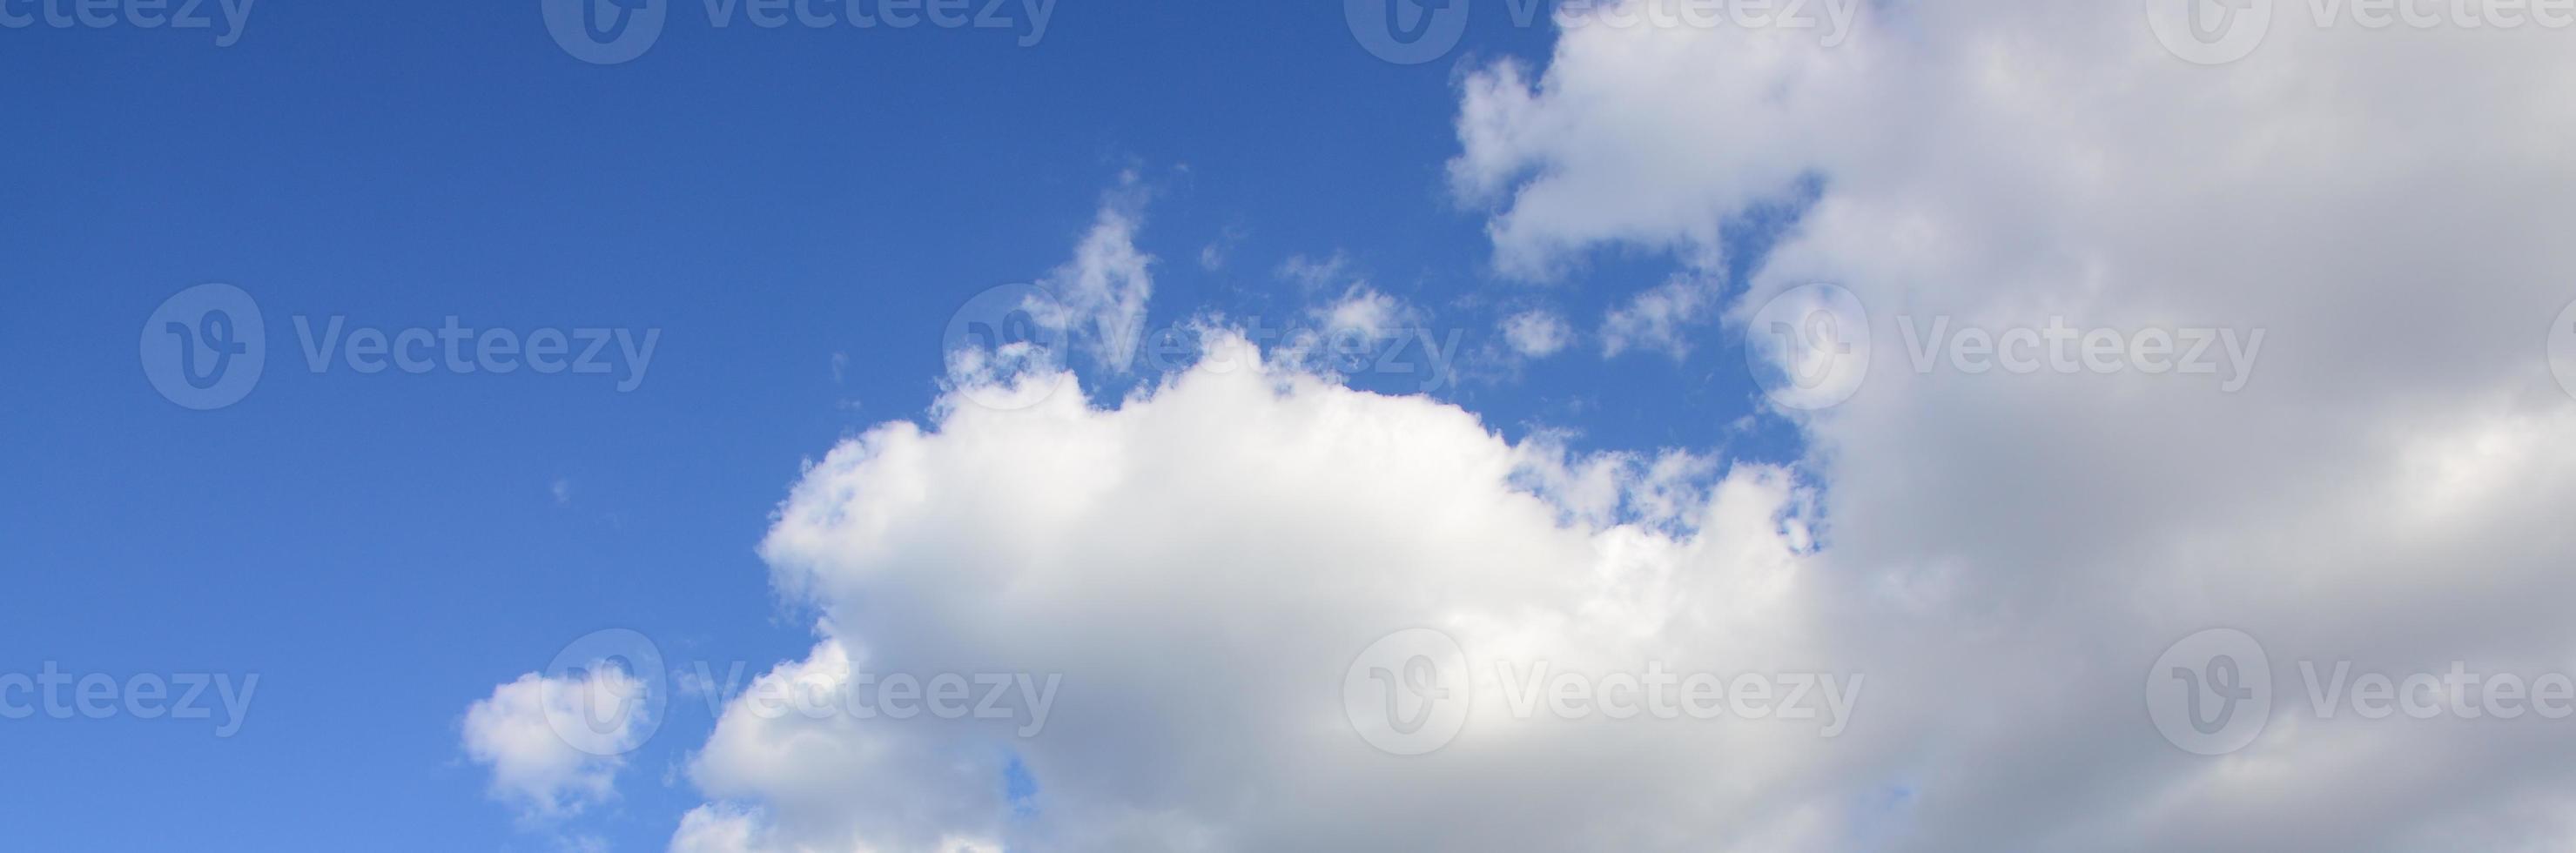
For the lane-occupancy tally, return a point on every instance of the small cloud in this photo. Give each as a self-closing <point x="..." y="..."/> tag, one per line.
<point x="515" y="733"/>
<point x="1101" y="293"/>
<point x="1213" y="256"/>
<point x="1313" y="274"/>
<point x="1364" y="312"/>
<point x="840" y="366"/>
<point x="562" y="490"/>
<point x="1537" y="334"/>
<point x="1659" y="319"/>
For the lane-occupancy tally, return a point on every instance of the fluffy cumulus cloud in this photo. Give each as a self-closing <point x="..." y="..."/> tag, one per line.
<point x="1203" y="563"/>
<point x="1661" y="319"/>
<point x="2003" y="554"/>
<point x="1536" y="334"/>
<point x="553" y="744"/>
<point x="2380" y="202"/>
<point x="1362" y="312"/>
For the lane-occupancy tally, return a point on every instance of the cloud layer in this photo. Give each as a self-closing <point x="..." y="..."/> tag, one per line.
<point x="2003" y="554"/>
<point x="2377" y="493"/>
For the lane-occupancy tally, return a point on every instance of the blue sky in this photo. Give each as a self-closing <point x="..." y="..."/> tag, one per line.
<point x="383" y="549"/>
<point x="1275" y="602"/>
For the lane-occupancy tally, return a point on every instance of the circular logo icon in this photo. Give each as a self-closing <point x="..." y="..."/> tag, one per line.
<point x="1409" y="692"/>
<point x="1006" y="347"/>
<point x="2562" y="349"/>
<point x="605" y="32"/>
<point x="2210" y="32"/>
<point x="2211" y="693"/>
<point x="204" y="347"/>
<point x="613" y="689"/>
<point x="1407" y="32"/>
<point x="1809" y="346"/>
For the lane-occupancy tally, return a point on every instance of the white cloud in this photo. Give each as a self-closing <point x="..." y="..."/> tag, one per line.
<point x="2006" y="555"/>
<point x="2031" y="543"/>
<point x="553" y="744"/>
<point x="1536" y="334"/>
<point x="1202" y="564"/>
<point x="1102" y="291"/>
<point x="722" y="829"/>
<point x="1313" y="274"/>
<point x="1661" y="319"/>
<point x="1364" y="313"/>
